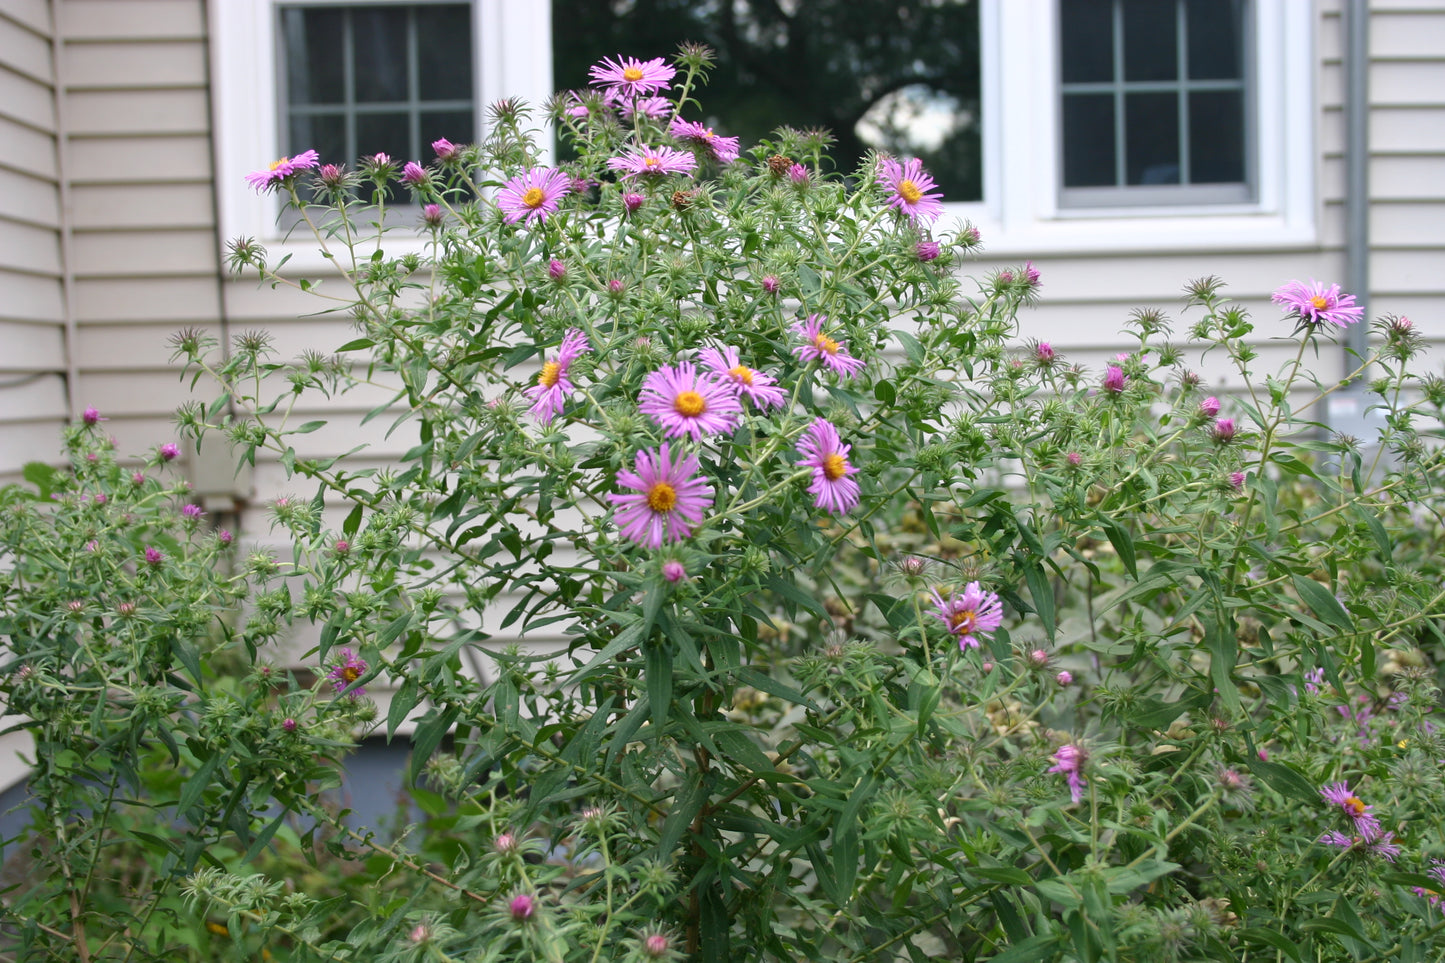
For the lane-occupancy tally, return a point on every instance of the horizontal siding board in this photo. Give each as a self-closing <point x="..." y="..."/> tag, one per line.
<point x="154" y="160"/>
<point x="24" y="442"/>
<point x="1417" y="224"/>
<point x="34" y="14"/>
<point x="133" y="20"/>
<point x="108" y="112"/>
<point x="1407" y="272"/>
<point x="31" y="297"/>
<point x="27" y="198"/>
<point x="1407" y="130"/>
<point x="25" y="149"/>
<point x="26" y="100"/>
<point x="118" y="206"/>
<point x="149" y="64"/>
<point x="127" y="394"/>
<point x="26" y="51"/>
<point x="32" y="347"/>
<point x="132" y="347"/>
<point x="24" y="247"/>
<point x="37" y="399"/>
<point x="1407" y="35"/>
<point x="124" y="300"/>
<point x="1406" y="178"/>
<point x="143" y="252"/>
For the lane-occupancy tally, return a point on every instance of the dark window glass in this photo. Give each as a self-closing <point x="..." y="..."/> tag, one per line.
<point x="1216" y="39"/>
<point x="314" y="72"/>
<point x="1151" y="138"/>
<point x="1216" y="137"/>
<point x="379" y="41"/>
<point x="324" y="132"/>
<point x="389" y="133"/>
<point x="1151" y="45"/>
<point x="454" y="125"/>
<point x="1089" y="135"/>
<point x="1086" y="40"/>
<point x="444" y="42"/>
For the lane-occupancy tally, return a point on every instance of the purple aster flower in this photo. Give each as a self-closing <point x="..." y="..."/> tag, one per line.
<point x="1065" y="678"/>
<point x="970" y="611"/>
<point x="673" y="570"/>
<point x="1031" y="274"/>
<point x="1337" y="839"/>
<point x="1314" y="303"/>
<point x="282" y="169"/>
<point x="533" y="195"/>
<point x="759" y="388"/>
<point x="556" y="270"/>
<point x="1209" y="407"/>
<point x="654" y="107"/>
<point x="1044" y="354"/>
<point x="632" y="77"/>
<point x="800" y="175"/>
<point x="1070" y="760"/>
<point x="522" y="908"/>
<point x="1224" y="431"/>
<point x="653" y="161"/>
<point x="432" y="215"/>
<point x="1236" y="480"/>
<point x="927" y="251"/>
<point x="154" y="556"/>
<point x="414" y="175"/>
<point x="91" y="416"/>
<point x="446" y="151"/>
<point x="344" y="674"/>
<point x="724" y="150"/>
<point x="632" y="202"/>
<point x="824" y="452"/>
<point x="1114" y="379"/>
<point x="1338" y="794"/>
<point x="333" y="176"/>
<point x="378" y="166"/>
<point x="666" y="500"/>
<point x="192" y="513"/>
<point x="170" y="451"/>
<point x="684" y="401"/>
<point x="820" y="347"/>
<point x="910" y="185"/>
<point x="1384" y="847"/>
<point x="225" y="537"/>
<point x="770" y="284"/>
<point x="1074" y="459"/>
<point x="553" y="386"/>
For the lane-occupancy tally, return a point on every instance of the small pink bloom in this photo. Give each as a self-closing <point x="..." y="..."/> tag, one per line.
<point x="431" y="214"/>
<point x="673" y="570"/>
<point x="927" y="251"/>
<point x="1031" y="274"/>
<point x="832" y="488"/>
<point x="724" y="150"/>
<point x="285" y="167"/>
<point x="522" y="907"/>
<point x="1209" y="407"/>
<point x="800" y="175"/>
<point x="1224" y="431"/>
<point x="288" y="725"/>
<point x="770" y="284"/>
<point x="224" y="536"/>
<point x="556" y="269"/>
<point x="445" y="150"/>
<point x="344" y="674"/>
<point x="910" y="185"/>
<point x="632" y="77"/>
<point x="968" y="612"/>
<point x="1115" y="379"/>
<point x="91" y="416"/>
<point x="170" y="451"/>
<point x="553" y="385"/>
<point x="414" y="175"/>
<point x="819" y="347"/>
<point x="1075" y="459"/>
<point x="632" y="202"/>
<point x="1070" y="761"/>
<point x="1236" y="479"/>
<point x="1065" y="678"/>
<point x="153" y="555"/>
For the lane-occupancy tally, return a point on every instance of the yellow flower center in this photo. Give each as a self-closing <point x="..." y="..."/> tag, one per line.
<point x="689" y="404"/>
<point x="1353" y="806"/>
<point x="632" y="75"/>
<point x="534" y="198"/>
<point x="909" y="191"/>
<point x="278" y="163"/>
<point x="742" y="373"/>
<point x="835" y="466"/>
<point x="661" y="497"/>
<point x="708" y="133"/>
<point x="824" y="343"/>
<point x="350" y="673"/>
<point x="551" y="373"/>
<point x="652" y="162"/>
<point x="1319" y="302"/>
<point x="963" y="622"/>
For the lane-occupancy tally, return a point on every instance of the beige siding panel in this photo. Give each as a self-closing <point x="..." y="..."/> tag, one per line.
<point x="1408" y="82"/>
<point x="34" y="14"/>
<point x="132" y="347"/>
<point x="24" y="247"/>
<point x="1331" y="131"/>
<point x="253" y="301"/>
<point x="178" y="64"/>
<point x="1407" y="130"/>
<point x="26" y="51"/>
<point x="1419" y="35"/>
<point x="26" y="198"/>
<point x="1161" y="279"/>
<point x="147" y="159"/>
<point x="137" y="112"/>
<point x="32" y="347"/>
<point x="41" y="399"/>
<point x="27" y="101"/>
<point x="1416" y="224"/>
<point x="1407" y="178"/>
<point x="133" y="20"/>
<point x="148" y="252"/>
<point x="141" y="206"/>
<point x="1408" y="272"/>
<point x="124" y="300"/>
<point x="31" y="297"/>
<point x="126" y="395"/>
<point x="27" y="441"/>
<point x="24" y="149"/>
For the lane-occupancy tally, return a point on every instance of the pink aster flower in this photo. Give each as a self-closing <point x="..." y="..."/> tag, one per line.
<point x="556" y="270"/>
<point x="1314" y="303"/>
<point x="1114" y="379"/>
<point x="653" y="161"/>
<point x="632" y="202"/>
<point x="432" y="215"/>
<point x="154" y="556"/>
<point x="91" y="416"/>
<point x="533" y="195"/>
<point x="522" y="908"/>
<point x="1236" y="480"/>
<point x="1070" y="760"/>
<point x="684" y="401"/>
<point x="1338" y="794"/>
<point x="1337" y="839"/>
<point x="553" y="386"/>
<point x="910" y="185"/>
<point x="833" y="354"/>
<point x="1209" y="407"/>
<point x="666" y="500"/>
<point x="344" y="674"/>
<point x="414" y="175"/>
<point x="445" y="150"/>
<point x="1224" y="431"/>
<point x="724" y="150"/>
<point x="800" y="176"/>
<point x="824" y="452"/>
<point x="759" y="388"/>
<point x="170" y="451"/>
<point x="1065" y="678"/>
<point x="970" y="611"/>
<point x="673" y="570"/>
<point x="655" y="107"/>
<point x="632" y="77"/>
<point x="267" y="179"/>
<point x="927" y="251"/>
<point x="770" y="284"/>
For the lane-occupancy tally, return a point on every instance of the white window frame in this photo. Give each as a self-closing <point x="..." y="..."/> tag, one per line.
<point x="1020" y="214"/>
<point x="512" y="47"/>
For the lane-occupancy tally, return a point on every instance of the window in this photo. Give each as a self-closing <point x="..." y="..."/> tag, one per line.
<point x="1153" y="93"/>
<point x="362" y="79"/>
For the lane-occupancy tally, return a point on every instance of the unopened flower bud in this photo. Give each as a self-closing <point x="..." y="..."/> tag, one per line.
<point x="927" y="251"/>
<point x="522" y="907"/>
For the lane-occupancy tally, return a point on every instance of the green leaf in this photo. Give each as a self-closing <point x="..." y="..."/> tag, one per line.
<point x="626" y="639"/>
<point x="885" y="392"/>
<point x="41" y="475"/>
<point x="307" y="428"/>
<point x="352" y="523"/>
<point x="196" y="785"/>
<point x="685" y="806"/>
<point x="1042" y="594"/>
<point x="1322" y="602"/>
<point x="1123" y="544"/>
<point x="1283" y="779"/>
<point x="1284" y="944"/>
<point x="402" y="702"/>
<point x="1123" y="880"/>
<point x="659" y="684"/>
<point x="1030" y="950"/>
<point x="357" y="345"/>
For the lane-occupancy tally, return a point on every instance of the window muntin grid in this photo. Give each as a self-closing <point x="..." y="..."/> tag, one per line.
<point x="1154" y="102"/>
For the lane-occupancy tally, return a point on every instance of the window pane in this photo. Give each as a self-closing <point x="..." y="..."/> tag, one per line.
<point x="455" y="125"/>
<point x="1086" y="40"/>
<point x="313" y="42"/>
<point x="1216" y="39"/>
<point x="326" y="133"/>
<point x="1216" y="137"/>
<point x="1151" y="138"/>
<point x="1089" y="140"/>
<point x="1151" y="42"/>
<point x="379" y="38"/>
<point x="444" y="46"/>
<point x="385" y="133"/>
